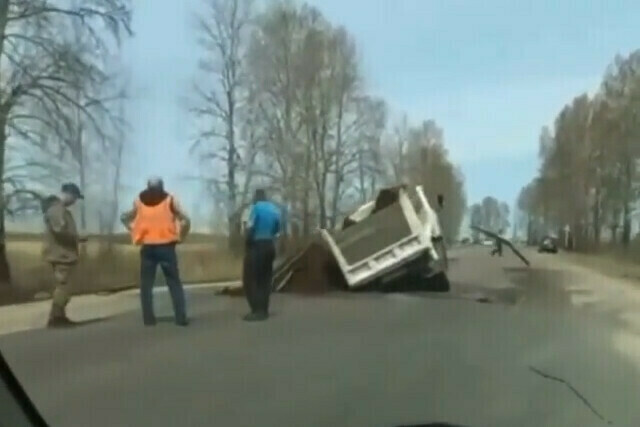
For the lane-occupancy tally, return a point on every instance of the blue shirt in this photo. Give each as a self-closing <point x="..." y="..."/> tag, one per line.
<point x="264" y="220"/>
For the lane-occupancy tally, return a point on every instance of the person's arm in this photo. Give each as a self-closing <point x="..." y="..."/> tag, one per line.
<point x="127" y="217"/>
<point x="277" y="226"/>
<point x="281" y="223"/>
<point x="253" y="216"/>
<point x="183" y="218"/>
<point x="55" y="220"/>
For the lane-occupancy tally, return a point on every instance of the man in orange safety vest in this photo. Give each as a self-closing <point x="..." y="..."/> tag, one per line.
<point x="157" y="223"/>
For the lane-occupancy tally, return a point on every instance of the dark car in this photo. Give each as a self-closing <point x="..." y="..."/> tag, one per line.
<point x="548" y="245"/>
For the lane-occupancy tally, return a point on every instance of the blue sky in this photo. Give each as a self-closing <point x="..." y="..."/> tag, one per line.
<point x="491" y="73"/>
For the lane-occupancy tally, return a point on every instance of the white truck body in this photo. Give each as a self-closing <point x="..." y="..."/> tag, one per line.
<point x="381" y="243"/>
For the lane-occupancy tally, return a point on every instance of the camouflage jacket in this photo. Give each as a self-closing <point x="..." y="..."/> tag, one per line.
<point x="61" y="234"/>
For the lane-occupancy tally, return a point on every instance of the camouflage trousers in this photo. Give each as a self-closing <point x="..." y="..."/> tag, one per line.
<point x="62" y="273"/>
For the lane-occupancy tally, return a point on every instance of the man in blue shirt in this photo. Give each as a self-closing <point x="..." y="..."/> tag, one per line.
<point x="263" y="228"/>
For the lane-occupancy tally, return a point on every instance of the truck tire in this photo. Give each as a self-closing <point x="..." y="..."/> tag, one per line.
<point x="439" y="282"/>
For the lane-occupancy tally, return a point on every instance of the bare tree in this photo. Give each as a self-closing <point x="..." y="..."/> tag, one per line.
<point x="505" y="211"/>
<point x="222" y="92"/>
<point x="621" y="93"/>
<point x="282" y="164"/>
<point x="304" y="126"/>
<point x="362" y="170"/>
<point x="397" y="150"/>
<point x="41" y="72"/>
<point x="588" y="174"/>
<point x="418" y="156"/>
<point x="313" y="113"/>
<point x="110" y="171"/>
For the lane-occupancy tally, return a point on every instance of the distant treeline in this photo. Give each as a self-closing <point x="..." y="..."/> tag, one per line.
<point x="588" y="185"/>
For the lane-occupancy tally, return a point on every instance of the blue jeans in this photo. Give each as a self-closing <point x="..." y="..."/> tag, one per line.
<point x="165" y="256"/>
<point x="258" y="274"/>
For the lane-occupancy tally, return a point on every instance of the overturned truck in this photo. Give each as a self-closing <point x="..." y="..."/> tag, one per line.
<point x="393" y="243"/>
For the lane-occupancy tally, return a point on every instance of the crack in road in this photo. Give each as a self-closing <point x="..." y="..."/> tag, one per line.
<point x="573" y="389"/>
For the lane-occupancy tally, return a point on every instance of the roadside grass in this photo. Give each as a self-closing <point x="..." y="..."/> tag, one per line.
<point x="612" y="262"/>
<point x="105" y="267"/>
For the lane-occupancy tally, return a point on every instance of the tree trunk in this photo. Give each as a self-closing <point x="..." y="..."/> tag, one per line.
<point x="235" y="234"/>
<point x="373" y="185"/>
<point x="626" y="207"/>
<point x="5" y="271"/>
<point x="335" y="199"/>
<point x="362" y="177"/>
<point x="115" y="194"/>
<point x="83" y="183"/>
<point x="337" y="184"/>
<point x="626" y="225"/>
<point x="322" y="204"/>
<point x="596" y="219"/>
<point x="306" y="226"/>
<point x="4" y="13"/>
<point x="577" y="232"/>
<point x="232" y="199"/>
<point x="306" y="202"/>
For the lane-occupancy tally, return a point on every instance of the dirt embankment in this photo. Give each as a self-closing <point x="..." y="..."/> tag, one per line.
<point x="315" y="271"/>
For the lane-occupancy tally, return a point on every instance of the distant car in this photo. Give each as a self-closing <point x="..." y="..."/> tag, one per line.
<point x="548" y="245"/>
<point x="488" y="242"/>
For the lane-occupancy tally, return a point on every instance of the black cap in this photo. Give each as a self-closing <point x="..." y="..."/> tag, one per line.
<point x="73" y="189"/>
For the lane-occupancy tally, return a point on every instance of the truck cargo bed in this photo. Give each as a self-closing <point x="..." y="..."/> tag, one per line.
<point x="385" y="240"/>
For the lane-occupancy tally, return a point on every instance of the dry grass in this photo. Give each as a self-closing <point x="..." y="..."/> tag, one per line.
<point x="103" y="270"/>
<point x="613" y="263"/>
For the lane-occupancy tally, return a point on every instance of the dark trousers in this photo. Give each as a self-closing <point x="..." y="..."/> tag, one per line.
<point x="257" y="274"/>
<point x="164" y="255"/>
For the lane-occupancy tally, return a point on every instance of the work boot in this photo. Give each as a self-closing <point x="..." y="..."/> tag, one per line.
<point x="60" y="322"/>
<point x="182" y="322"/>
<point x="256" y="317"/>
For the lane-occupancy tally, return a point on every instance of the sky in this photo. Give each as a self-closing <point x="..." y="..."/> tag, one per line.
<point x="490" y="73"/>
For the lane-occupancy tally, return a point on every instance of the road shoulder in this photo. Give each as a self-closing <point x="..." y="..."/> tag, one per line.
<point x="600" y="294"/>
<point x="82" y="308"/>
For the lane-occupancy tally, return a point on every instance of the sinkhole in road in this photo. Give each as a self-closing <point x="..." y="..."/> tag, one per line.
<point x="539" y="285"/>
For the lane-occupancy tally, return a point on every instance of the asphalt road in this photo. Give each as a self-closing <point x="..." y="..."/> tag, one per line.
<point x="344" y="360"/>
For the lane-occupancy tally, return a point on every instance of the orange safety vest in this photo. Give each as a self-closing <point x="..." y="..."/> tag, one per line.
<point x="155" y="225"/>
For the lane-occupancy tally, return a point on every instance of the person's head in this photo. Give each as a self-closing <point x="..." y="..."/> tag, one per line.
<point x="260" y="195"/>
<point x="155" y="183"/>
<point x="70" y="193"/>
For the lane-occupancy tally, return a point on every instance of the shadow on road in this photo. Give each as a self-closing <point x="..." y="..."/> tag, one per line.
<point x="539" y="286"/>
<point x="80" y="323"/>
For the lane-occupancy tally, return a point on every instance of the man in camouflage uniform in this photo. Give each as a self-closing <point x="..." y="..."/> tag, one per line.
<point x="60" y="250"/>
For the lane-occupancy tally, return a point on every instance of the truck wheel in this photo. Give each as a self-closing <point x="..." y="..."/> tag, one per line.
<point x="439" y="282"/>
